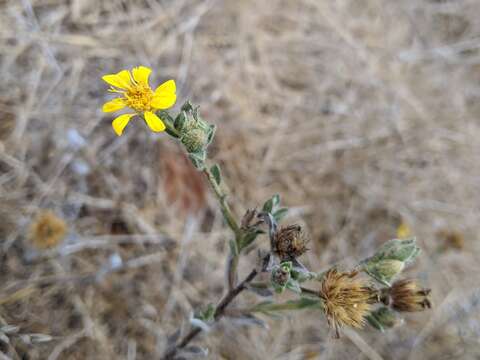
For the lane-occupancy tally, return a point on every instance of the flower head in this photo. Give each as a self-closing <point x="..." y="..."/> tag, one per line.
<point x="408" y="295"/>
<point x="135" y="93"/>
<point x="289" y="242"/>
<point x="47" y="230"/>
<point x="346" y="299"/>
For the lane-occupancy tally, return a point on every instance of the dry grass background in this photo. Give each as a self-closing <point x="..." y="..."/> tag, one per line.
<point x="362" y="114"/>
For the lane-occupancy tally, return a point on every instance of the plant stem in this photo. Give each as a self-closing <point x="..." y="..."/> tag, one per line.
<point x="221" y="197"/>
<point x="232" y="263"/>
<point x="309" y="291"/>
<point x="219" y="312"/>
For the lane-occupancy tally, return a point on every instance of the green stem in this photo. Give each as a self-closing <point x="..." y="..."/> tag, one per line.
<point x="232" y="223"/>
<point x="221" y="197"/>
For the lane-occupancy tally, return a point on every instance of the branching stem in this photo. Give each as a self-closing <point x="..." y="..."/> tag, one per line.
<point x="219" y="312"/>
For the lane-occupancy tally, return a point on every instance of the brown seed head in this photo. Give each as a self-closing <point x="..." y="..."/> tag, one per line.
<point x="407" y="295"/>
<point x="346" y="299"/>
<point x="289" y="242"/>
<point x="47" y="230"/>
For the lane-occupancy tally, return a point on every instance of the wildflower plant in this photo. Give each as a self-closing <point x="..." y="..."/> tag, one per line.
<point x="370" y="293"/>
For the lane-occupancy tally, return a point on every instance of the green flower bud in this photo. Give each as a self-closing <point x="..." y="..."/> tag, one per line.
<point x="280" y="276"/>
<point x="194" y="140"/>
<point x="384" y="270"/>
<point x="390" y="259"/>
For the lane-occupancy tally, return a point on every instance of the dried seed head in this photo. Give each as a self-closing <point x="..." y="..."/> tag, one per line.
<point x="47" y="230"/>
<point x="347" y="301"/>
<point x="407" y="295"/>
<point x="289" y="242"/>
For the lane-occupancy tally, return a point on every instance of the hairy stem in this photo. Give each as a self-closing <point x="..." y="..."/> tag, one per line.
<point x="221" y="197"/>
<point x="219" y="312"/>
<point x="232" y="223"/>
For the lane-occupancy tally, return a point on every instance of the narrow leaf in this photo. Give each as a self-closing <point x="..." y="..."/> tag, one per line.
<point x="280" y="214"/>
<point x="217" y="175"/>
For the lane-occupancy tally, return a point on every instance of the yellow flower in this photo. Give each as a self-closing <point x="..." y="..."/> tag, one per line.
<point x="47" y="230"/>
<point x="137" y="95"/>
<point x="403" y="231"/>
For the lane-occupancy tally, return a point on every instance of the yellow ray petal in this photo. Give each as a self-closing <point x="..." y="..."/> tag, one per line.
<point x="113" y="105"/>
<point x="163" y="102"/>
<point x="164" y="96"/>
<point x="121" y="79"/>
<point x="167" y="87"/>
<point x="154" y="122"/>
<point x="120" y="122"/>
<point x="141" y="74"/>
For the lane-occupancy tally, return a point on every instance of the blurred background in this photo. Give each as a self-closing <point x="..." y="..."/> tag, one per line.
<point x="362" y="114"/>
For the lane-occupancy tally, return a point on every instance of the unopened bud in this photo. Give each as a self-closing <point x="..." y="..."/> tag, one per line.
<point x="384" y="270"/>
<point x="195" y="140"/>
<point x="280" y="275"/>
<point x="390" y="259"/>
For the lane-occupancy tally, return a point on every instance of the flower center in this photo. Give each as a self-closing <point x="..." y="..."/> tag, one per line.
<point x="139" y="97"/>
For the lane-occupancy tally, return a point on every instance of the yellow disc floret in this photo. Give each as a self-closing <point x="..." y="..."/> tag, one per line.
<point x="139" y="98"/>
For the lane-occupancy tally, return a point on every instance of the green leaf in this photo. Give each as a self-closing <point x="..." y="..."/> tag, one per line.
<point x="198" y="159"/>
<point x="211" y="134"/>
<point x="383" y="318"/>
<point x="180" y="120"/>
<point x="271" y="203"/>
<point x="275" y="200"/>
<point x="374" y="323"/>
<point x="294" y="286"/>
<point x="187" y="106"/>
<point x="280" y="214"/>
<point x="249" y="237"/>
<point x="302" y="303"/>
<point x="207" y="315"/>
<point x="217" y="175"/>
<point x="268" y="206"/>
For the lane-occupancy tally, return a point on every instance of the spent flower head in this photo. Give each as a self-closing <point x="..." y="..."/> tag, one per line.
<point x="289" y="242"/>
<point x="347" y="299"/>
<point x="135" y="93"/>
<point x="407" y="295"/>
<point x="47" y="230"/>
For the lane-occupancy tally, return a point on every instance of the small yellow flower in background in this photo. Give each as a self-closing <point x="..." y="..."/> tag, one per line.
<point x="47" y="230"/>
<point x="137" y="94"/>
<point x="403" y="231"/>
